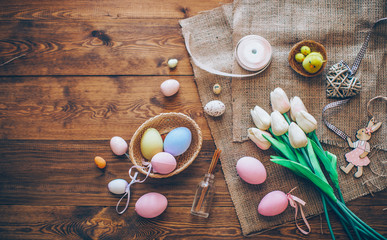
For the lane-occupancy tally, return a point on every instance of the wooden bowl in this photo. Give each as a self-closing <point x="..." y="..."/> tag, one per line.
<point x="314" y="47"/>
<point x="164" y="123"/>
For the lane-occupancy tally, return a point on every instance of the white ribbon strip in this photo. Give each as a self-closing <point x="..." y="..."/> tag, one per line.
<point x="134" y="180"/>
<point x="214" y="71"/>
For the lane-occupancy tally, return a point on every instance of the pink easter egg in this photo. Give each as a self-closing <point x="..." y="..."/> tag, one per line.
<point x="170" y="87"/>
<point x="273" y="203"/>
<point x="251" y="170"/>
<point x="118" y="145"/>
<point x="151" y="205"/>
<point x="163" y="163"/>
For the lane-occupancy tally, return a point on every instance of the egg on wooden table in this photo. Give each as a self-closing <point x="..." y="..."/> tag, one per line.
<point x="170" y="87"/>
<point x="117" y="186"/>
<point x="118" y="145"/>
<point x="163" y="163"/>
<point x="151" y="205"/>
<point x="177" y="141"/>
<point x="151" y="143"/>
<point x="251" y="170"/>
<point x="273" y="203"/>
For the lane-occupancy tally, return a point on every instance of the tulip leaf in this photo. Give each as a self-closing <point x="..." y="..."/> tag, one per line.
<point x="281" y="148"/>
<point x="314" y="161"/>
<point x="308" y="174"/>
<point x="301" y="159"/>
<point x="329" y="161"/>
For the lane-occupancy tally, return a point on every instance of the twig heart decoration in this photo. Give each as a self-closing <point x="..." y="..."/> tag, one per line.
<point x="341" y="82"/>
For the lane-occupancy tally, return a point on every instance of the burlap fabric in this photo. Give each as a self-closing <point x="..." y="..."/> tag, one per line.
<point x="211" y="42"/>
<point x="341" y="26"/>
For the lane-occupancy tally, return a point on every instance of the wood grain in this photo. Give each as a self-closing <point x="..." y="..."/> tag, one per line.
<point x="89" y="108"/>
<point x="85" y="222"/>
<point x="107" y="10"/>
<point x="134" y="47"/>
<point x="64" y="173"/>
<point x="92" y="70"/>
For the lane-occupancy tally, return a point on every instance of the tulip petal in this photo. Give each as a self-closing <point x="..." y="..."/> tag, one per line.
<point x="255" y="135"/>
<point x="297" y="137"/>
<point x="279" y="125"/>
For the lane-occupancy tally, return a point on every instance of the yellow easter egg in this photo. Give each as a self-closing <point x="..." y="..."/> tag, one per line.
<point x="151" y="143"/>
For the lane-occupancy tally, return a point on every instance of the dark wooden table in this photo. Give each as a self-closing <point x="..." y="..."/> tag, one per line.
<point x="88" y="71"/>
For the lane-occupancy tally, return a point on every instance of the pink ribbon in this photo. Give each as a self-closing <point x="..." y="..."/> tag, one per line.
<point x="368" y="130"/>
<point x="295" y="202"/>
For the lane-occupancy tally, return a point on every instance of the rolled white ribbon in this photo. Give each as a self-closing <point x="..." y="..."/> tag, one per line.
<point x="253" y="53"/>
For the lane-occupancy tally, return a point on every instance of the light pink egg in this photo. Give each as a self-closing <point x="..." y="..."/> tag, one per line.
<point x="118" y="145"/>
<point x="251" y="170"/>
<point x="170" y="87"/>
<point x="163" y="163"/>
<point x="273" y="203"/>
<point x="151" y="205"/>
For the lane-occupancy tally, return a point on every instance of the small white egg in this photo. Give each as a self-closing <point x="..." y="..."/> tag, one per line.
<point x="172" y="63"/>
<point x="215" y="108"/>
<point x="117" y="186"/>
<point x="170" y="87"/>
<point x="118" y="145"/>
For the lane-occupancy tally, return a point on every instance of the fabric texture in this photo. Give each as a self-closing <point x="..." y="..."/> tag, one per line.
<point x="211" y="39"/>
<point x="341" y="26"/>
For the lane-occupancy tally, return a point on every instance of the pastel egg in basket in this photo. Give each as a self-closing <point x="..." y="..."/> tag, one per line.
<point x="164" y="123"/>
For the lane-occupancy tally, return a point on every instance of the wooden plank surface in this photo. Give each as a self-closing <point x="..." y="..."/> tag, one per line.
<point x="92" y="70"/>
<point x="89" y="108"/>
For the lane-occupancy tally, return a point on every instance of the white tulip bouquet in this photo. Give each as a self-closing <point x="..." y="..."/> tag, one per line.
<point x="299" y="150"/>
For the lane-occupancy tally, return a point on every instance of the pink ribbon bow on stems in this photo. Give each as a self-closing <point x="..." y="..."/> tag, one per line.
<point x="296" y="202"/>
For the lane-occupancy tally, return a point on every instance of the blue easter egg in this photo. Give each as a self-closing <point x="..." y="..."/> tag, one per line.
<point x="177" y="141"/>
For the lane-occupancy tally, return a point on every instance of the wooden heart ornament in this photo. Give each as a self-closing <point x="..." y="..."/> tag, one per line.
<point x="339" y="82"/>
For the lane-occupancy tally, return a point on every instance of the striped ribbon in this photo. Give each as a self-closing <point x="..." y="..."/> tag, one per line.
<point x="336" y="130"/>
<point x="332" y="127"/>
<point x="363" y="49"/>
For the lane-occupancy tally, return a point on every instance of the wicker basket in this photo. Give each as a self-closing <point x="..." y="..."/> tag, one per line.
<point x="164" y="123"/>
<point x="314" y="47"/>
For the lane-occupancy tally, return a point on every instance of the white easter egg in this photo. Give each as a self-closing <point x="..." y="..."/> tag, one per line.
<point x="117" y="186"/>
<point x="118" y="145"/>
<point x="170" y="87"/>
<point x="215" y="108"/>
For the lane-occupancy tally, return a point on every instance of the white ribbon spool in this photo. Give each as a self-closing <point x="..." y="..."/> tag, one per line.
<point x="253" y="53"/>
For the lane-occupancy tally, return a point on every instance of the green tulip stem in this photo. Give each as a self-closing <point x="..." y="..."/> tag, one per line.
<point x="327" y="216"/>
<point x="313" y="135"/>
<point x="287" y="118"/>
<point x="358" y="220"/>
<point x="307" y="158"/>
